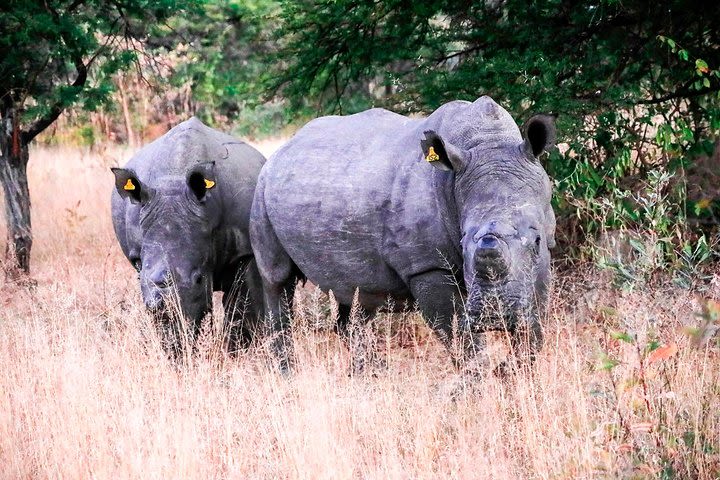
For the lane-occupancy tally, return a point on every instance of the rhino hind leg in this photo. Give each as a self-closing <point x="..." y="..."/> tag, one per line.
<point x="356" y="328"/>
<point x="279" y="276"/>
<point x="279" y="306"/>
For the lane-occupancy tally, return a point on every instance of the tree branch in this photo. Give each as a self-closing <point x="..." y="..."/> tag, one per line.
<point x="682" y="93"/>
<point x="74" y="5"/>
<point x="45" y="121"/>
<point x="58" y="106"/>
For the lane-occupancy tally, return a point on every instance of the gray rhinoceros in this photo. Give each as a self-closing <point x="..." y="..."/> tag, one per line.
<point x="451" y="212"/>
<point x="181" y="209"/>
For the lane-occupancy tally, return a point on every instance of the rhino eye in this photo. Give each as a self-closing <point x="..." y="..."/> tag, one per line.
<point x="537" y="242"/>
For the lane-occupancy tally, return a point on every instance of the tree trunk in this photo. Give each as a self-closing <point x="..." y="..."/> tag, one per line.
<point x="13" y="176"/>
<point x="125" y="102"/>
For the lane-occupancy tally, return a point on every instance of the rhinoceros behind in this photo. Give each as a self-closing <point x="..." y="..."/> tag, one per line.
<point x="451" y="212"/>
<point x="181" y="209"/>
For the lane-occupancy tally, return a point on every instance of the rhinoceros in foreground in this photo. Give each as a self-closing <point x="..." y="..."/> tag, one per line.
<point x="181" y="209"/>
<point x="451" y="212"/>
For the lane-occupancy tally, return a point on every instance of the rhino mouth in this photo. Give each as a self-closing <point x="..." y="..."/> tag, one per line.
<point x="492" y="307"/>
<point x="176" y="329"/>
<point x="166" y="310"/>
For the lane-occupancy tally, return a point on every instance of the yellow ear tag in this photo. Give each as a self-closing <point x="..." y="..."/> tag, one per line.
<point x="129" y="185"/>
<point x="432" y="156"/>
<point x="209" y="184"/>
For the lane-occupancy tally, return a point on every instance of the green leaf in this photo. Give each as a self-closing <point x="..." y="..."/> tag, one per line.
<point x="652" y="345"/>
<point x="623" y="336"/>
<point x="607" y="363"/>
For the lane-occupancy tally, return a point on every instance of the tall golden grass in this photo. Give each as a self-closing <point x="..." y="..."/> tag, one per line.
<point x="85" y="391"/>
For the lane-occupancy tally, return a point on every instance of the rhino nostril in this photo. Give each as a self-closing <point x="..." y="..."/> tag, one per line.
<point x="198" y="278"/>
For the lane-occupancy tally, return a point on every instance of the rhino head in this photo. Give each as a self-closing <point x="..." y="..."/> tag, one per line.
<point x="502" y="199"/>
<point x="177" y="215"/>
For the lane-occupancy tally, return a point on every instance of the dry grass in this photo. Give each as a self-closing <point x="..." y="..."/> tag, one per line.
<point x="86" y="393"/>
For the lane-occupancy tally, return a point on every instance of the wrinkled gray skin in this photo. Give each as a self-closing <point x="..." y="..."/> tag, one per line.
<point x="187" y="240"/>
<point x="352" y="203"/>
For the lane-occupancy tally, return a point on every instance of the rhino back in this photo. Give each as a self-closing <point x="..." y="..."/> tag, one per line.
<point x="187" y="144"/>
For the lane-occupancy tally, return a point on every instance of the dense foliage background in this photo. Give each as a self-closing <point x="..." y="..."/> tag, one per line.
<point x="634" y="86"/>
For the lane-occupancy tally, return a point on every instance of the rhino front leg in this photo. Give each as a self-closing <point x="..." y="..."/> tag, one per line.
<point x="526" y="341"/>
<point x="243" y="304"/>
<point x="438" y="299"/>
<point x="358" y="332"/>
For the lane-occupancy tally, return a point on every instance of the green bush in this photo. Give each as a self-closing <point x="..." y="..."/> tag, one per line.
<point x="634" y="84"/>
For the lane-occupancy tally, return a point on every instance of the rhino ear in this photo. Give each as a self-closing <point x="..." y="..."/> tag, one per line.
<point x="539" y="132"/>
<point x="441" y="155"/>
<point x="201" y="179"/>
<point x="128" y="185"/>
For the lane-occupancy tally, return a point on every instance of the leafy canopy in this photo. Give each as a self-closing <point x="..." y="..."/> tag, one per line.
<point x="548" y="55"/>
<point x="48" y="47"/>
<point x="634" y="84"/>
